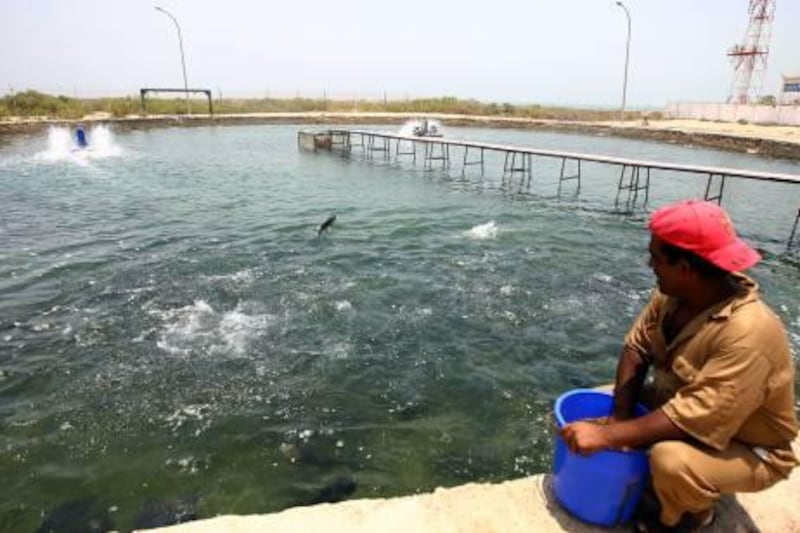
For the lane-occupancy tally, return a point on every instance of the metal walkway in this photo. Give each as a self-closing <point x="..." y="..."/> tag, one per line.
<point x="633" y="187"/>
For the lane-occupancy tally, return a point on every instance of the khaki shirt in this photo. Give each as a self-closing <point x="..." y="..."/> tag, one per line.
<point x="728" y="374"/>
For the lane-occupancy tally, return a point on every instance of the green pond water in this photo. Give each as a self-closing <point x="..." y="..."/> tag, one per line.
<point x="174" y="335"/>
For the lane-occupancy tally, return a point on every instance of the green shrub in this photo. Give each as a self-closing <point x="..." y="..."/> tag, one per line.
<point x="32" y="103"/>
<point x="121" y="107"/>
<point x="768" y="99"/>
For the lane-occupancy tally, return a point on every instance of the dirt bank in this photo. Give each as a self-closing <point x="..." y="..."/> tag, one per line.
<point x="768" y="141"/>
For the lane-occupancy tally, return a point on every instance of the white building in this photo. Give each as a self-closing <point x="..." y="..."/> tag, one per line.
<point x="790" y="91"/>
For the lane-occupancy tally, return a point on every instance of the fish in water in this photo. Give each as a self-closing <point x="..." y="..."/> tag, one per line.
<point x="326" y="225"/>
<point x="162" y="513"/>
<point x="80" y="515"/>
<point x="337" y="490"/>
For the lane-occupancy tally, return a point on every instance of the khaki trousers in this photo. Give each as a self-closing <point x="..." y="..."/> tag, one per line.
<point x="690" y="478"/>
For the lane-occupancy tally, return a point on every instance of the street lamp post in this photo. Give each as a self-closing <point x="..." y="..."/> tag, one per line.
<point x="183" y="60"/>
<point x="627" y="54"/>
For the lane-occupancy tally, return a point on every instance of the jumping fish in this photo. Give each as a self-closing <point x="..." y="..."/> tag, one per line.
<point x="326" y="225"/>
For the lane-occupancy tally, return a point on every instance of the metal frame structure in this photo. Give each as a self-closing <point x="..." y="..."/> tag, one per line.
<point x="467" y="162"/>
<point x="634" y="184"/>
<point x="577" y="176"/>
<point x="791" y="243"/>
<point x="143" y="93"/>
<point x="750" y="58"/>
<point x="430" y="153"/>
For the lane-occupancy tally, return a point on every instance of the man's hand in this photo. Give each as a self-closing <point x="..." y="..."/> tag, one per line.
<point x="586" y="438"/>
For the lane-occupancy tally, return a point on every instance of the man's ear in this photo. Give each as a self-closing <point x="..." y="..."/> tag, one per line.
<point x="686" y="269"/>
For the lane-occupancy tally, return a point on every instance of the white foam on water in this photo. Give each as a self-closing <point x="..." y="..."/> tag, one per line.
<point x="61" y="146"/>
<point x="510" y="316"/>
<point x="102" y="143"/>
<point x="506" y="290"/>
<point x="143" y="335"/>
<point x="344" y="305"/>
<point x="600" y="276"/>
<point x="242" y="276"/>
<point x="192" y="415"/>
<point x="198" y="326"/>
<point x="341" y="350"/>
<point x="238" y="329"/>
<point x="488" y="230"/>
<point x="187" y="323"/>
<point x="186" y="464"/>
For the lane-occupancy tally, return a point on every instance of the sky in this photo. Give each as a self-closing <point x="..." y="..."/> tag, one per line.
<point x="556" y="52"/>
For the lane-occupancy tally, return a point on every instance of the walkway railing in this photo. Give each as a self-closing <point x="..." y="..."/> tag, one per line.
<point x="633" y="186"/>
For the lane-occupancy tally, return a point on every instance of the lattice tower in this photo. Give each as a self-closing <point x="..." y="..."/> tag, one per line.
<point x="750" y="58"/>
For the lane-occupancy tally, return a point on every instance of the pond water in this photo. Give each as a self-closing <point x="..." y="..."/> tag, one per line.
<point x="175" y="335"/>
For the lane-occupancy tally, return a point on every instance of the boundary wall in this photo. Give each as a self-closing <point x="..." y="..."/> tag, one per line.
<point x="785" y="115"/>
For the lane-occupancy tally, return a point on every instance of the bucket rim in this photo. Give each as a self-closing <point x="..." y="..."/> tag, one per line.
<point x="560" y="422"/>
<point x="569" y="394"/>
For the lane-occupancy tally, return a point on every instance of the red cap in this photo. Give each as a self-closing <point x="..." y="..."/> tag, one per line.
<point x="705" y="229"/>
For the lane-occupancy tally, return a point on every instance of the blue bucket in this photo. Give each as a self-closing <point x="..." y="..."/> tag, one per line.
<point x="602" y="488"/>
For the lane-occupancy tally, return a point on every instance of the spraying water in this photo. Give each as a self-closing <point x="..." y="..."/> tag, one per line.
<point x="413" y="128"/>
<point x="62" y="145"/>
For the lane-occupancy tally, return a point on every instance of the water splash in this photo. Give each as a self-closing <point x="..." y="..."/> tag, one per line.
<point x="61" y="145"/>
<point x="344" y="305"/>
<point x="408" y="128"/>
<point x="199" y="327"/>
<point x="483" y="231"/>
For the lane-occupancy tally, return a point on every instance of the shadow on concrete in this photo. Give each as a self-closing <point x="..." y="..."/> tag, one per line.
<point x="564" y="518"/>
<point x="731" y="517"/>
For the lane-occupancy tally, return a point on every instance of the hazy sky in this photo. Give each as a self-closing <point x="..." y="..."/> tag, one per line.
<point x="531" y="51"/>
